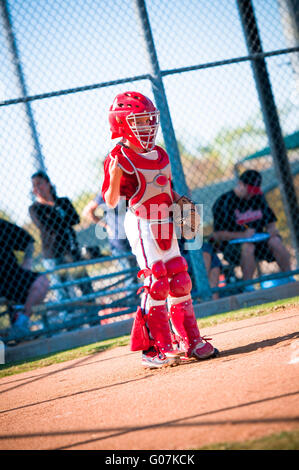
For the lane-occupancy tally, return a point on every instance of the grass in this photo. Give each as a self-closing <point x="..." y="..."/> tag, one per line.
<point x="282" y="441"/>
<point x="55" y="358"/>
<point x="62" y="356"/>
<point x="247" y="312"/>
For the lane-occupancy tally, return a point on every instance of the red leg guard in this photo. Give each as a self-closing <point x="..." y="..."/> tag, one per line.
<point x="158" y="269"/>
<point x="140" y="339"/>
<point x="158" y="287"/>
<point x="151" y="326"/>
<point x="184" y="322"/>
<point x="176" y="265"/>
<point x="180" y="285"/>
<point x="182" y="316"/>
<point x="158" y="324"/>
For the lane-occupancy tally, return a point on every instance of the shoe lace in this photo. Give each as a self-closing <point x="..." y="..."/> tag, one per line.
<point x="205" y="338"/>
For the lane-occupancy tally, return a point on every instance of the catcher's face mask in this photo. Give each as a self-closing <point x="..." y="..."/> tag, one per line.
<point x="144" y="127"/>
<point x="134" y="117"/>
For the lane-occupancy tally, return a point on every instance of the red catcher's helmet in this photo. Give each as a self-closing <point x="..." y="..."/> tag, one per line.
<point x="134" y="117"/>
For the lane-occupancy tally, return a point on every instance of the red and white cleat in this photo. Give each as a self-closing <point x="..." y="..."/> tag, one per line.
<point x="155" y="360"/>
<point x="204" y="350"/>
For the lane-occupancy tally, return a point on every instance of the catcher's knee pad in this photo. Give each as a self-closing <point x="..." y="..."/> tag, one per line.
<point x="180" y="283"/>
<point x="158" y="269"/>
<point x="176" y="265"/>
<point x="158" y="288"/>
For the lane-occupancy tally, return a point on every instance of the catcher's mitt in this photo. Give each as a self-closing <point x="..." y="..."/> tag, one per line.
<point x="186" y="217"/>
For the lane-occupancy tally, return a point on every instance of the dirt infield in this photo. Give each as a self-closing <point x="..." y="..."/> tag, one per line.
<point x="107" y="401"/>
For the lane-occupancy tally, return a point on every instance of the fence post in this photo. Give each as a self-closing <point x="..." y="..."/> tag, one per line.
<point x="289" y="13"/>
<point x="22" y="82"/>
<point x="271" y="119"/>
<point x="2" y="352"/>
<point x="202" y="286"/>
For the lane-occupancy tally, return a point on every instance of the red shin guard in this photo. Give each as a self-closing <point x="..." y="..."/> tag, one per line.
<point x="158" y="325"/>
<point x="152" y="328"/>
<point x="184" y="322"/>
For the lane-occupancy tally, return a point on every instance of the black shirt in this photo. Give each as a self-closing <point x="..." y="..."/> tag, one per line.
<point x="55" y="223"/>
<point x="12" y="238"/>
<point x="231" y="213"/>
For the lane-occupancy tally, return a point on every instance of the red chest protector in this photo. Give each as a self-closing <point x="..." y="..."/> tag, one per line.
<point x="153" y="195"/>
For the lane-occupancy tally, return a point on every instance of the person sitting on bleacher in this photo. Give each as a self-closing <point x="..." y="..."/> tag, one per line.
<point x="18" y="283"/>
<point x="241" y="213"/>
<point x="55" y="217"/>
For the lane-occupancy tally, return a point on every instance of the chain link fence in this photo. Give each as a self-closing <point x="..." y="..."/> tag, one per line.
<point x="225" y="76"/>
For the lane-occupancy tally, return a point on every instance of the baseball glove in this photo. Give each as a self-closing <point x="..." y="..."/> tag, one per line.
<point x="186" y="217"/>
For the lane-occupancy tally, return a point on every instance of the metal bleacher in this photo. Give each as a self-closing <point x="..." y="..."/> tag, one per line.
<point x="112" y="298"/>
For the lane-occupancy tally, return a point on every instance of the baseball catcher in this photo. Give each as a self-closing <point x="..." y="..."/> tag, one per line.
<point x="165" y="327"/>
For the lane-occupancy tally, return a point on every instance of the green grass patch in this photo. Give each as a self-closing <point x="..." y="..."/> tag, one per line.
<point x="282" y="441"/>
<point x="55" y="358"/>
<point x="248" y="312"/>
<point x="62" y="356"/>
